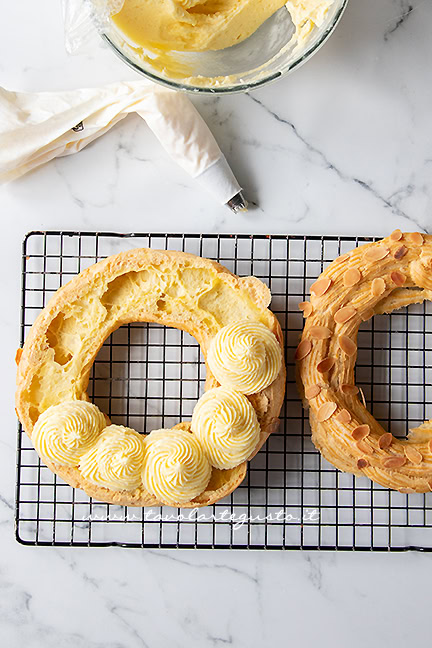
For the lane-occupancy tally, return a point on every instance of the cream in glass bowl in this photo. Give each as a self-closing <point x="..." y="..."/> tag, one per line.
<point x="219" y="46"/>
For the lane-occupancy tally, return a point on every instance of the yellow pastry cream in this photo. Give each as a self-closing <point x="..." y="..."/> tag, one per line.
<point x="245" y="356"/>
<point x="226" y="424"/>
<point x="201" y="25"/>
<point x="307" y="15"/>
<point x="116" y="460"/>
<point x="176" y="468"/>
<point x="64" y="432"/>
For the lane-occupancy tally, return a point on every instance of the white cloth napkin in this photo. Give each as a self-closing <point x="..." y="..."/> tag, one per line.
<point x="37" y="127"/>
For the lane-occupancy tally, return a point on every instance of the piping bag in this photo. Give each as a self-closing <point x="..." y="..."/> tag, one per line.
<point x="38" y="127"/>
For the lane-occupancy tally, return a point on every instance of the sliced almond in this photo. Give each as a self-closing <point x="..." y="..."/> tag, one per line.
<point x="396" y="235"/>
<point x="306" y="307"/>
<point x="320" y="332"/>
<point x="362" y="396"/>
<point x="400" y="252"/>
<point x="392" y="463"/>
<point x="406" y="491"/>
<point x="312" y="392"/>
<point x="343" y="417"/>
<point x="378" y="287"/>
<point x="413" y="455"/>
<point x="385" y="440"/>
<point x="325" y="365"/>
<point x="343" y="258"/>
<point x="362" y="463"/>
<point x="325" y="411"/>
<point x="352" y="277"/>
<point x="364" y="447"/>
<point x="347" y="345"/>
<point x="367" y="314"/>
<point x="344" y="314"/>
<point x="320" y="287"/>
<point x="360" y="432"/>
<point x="430" y="445"/>
<point x="349" y="390"/>
<point x="415" y="238"/>
<point x="398" y="278"/>
<point x="376" y="253"/>
<point x="303" y="349"/>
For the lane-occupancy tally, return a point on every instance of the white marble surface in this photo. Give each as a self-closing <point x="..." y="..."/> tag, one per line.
<point x="342" y="146"/>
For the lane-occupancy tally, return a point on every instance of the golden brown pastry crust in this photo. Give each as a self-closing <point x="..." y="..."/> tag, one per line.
<point x="168" y="287"/>
<point x="373" y="279"/>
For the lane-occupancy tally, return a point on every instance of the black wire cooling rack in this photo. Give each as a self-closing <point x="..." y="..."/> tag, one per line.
<point x="147" y="377"/>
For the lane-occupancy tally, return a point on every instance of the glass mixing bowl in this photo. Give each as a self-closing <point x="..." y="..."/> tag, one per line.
<point x="265" y="56"/>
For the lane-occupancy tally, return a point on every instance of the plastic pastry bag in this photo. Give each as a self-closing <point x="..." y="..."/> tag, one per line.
<point x="83" y="19"/>
<point x="37" y="127"/>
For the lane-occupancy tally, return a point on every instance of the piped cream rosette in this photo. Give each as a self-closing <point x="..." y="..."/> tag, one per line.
<point x="176" y="468"/>
<point x="116" y="460"/>
<point x="245" y="356"/>
<point x="64" y="432"/>
<point x="227" y="427"/>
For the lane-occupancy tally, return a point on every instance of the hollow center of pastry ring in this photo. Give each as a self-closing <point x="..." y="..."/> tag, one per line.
<point x="194" y="299"/>
<point x="148" y="376"/>
<point x="394" y="368"/>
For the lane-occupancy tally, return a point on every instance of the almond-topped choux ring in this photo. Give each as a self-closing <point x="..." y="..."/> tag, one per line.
<point x="373" y="279"/>
<point x="186" y="466"/>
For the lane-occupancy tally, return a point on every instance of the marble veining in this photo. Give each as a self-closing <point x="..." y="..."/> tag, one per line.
<point x="342" y="146"/>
